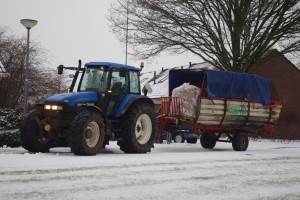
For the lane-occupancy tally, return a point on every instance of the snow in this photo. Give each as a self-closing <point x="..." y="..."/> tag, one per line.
<point x="267" y="170"/>
<point x="161" y="85"/>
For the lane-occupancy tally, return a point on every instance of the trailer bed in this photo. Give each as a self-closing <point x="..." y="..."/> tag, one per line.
<point x="220" y="108"/>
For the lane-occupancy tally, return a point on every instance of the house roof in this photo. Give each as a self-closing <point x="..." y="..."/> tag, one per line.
<point x="269" y="55"/>
<point x="160" y="82"/>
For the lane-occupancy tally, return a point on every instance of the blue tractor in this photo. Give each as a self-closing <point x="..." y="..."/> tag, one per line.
<point x="107" y="103"/>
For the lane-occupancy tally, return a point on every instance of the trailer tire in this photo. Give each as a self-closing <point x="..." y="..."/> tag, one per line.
<point x="138" y="129"/>
<point x="178" y="138"/>
<point x="191" y="140"/>
<point x="240" y="142"/>
<point x="86" y="133"/>
<point x="30" y="138"/>
<point x="208" y="140"/>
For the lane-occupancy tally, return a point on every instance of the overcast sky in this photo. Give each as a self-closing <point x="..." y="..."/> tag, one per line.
<point x="76" y="29"/>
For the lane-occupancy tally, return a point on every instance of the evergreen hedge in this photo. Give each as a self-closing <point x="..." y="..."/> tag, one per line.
<point x="10" y="121"/>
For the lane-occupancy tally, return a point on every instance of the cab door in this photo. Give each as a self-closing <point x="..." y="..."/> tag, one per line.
<point x="117" y="91"/>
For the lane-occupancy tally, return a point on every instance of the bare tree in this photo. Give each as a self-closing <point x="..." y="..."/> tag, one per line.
<point x="230" y="34"/>
<point x="42" y="81"/>
<point x="12" y="58"/>
<point x="45" y="83"/>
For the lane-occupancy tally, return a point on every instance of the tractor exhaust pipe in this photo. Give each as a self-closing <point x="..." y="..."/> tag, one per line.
<point x="75" y="76"/>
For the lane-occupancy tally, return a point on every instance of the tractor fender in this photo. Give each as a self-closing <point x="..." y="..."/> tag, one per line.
<point x="129" y="100"/>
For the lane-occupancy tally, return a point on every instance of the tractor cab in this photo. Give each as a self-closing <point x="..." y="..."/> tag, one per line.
<point x="112" y="82"/>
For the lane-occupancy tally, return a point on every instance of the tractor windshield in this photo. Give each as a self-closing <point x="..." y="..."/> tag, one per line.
<point x="94" y="79"/>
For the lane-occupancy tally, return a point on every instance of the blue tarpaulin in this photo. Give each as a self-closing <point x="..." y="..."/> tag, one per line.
<point x="238" y="85"/>
<point x="221" y="84"/>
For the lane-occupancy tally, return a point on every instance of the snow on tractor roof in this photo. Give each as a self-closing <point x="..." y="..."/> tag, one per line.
<point x="110" y="65"/>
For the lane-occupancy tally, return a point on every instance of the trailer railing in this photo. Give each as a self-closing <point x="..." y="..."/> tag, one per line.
<point x="171" y="106"/>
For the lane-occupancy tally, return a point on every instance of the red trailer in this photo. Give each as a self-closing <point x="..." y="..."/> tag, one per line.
<point x="227" y="107"/>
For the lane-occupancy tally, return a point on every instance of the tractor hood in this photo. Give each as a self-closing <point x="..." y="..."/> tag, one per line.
<point x="73" y="98"/>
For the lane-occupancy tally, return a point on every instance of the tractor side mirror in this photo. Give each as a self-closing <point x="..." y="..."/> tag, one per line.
<point x="147" y="89"/>
<point x="123" y="72"/>
<point x="60" y="69"/>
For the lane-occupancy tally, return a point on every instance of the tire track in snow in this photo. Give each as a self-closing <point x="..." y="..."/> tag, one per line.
<point x="210" y="175"/>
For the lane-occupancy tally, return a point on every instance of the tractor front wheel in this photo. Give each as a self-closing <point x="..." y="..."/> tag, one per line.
<point x="31" y="138"/>
<point x="86" y="133"/>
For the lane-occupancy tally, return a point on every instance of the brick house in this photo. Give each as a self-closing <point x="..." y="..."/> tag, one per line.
<point x="286" y="78"/>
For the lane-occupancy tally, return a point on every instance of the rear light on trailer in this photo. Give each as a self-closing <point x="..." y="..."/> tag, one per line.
<point x="270" y="128"/>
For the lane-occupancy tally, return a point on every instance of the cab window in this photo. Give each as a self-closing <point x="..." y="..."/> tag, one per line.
<point x="134" y="82"/>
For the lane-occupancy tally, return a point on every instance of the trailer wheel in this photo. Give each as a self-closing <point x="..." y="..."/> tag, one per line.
<point x="208" y="140"/>
<point x="178" y="138"/>
<point x="86" y="133"/>
<point x="31" y="139"/>
<point x="191" y="140"/>
<point x="240" y="142"/>
<point x="138" y="129"/>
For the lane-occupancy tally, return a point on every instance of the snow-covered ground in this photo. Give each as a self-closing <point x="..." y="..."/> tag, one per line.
<point x="267" y="170"/>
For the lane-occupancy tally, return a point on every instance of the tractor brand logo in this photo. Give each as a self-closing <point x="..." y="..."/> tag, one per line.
<point x="237" y="110"/>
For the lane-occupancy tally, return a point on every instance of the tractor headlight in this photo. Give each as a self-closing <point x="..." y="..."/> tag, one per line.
<point x="47" y="107"/>
<point x="53" y="107"/>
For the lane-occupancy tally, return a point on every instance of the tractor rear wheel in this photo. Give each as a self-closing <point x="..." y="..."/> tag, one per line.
<point x="208" y="140"/>
<point x="87" y="133"/>
<point x="30" y="134"/>
<point x="138" y="129"/>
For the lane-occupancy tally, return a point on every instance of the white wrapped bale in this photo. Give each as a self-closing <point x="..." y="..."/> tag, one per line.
<point x="189" y="94"/>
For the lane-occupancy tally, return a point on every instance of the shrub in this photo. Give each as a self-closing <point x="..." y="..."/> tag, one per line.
<point x="10" y="121"/>
<point x="10" y="138"/>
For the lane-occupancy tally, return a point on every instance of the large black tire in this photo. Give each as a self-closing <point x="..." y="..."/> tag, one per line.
<point x="240" y="142"/>
<point x="138" y="129"/>
<point x="30" y="137"/>
<point x="191" y="140"/>
<point x="208" y="140"/>
<point x="86" y="133"/>
<point x="178" y="138"/>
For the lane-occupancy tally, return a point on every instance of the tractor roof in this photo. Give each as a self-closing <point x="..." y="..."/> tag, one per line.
<point x="111" y="65"/>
